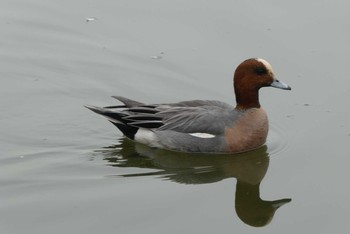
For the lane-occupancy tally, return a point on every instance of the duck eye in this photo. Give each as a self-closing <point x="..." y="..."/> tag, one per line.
<point x="260" y="70"/>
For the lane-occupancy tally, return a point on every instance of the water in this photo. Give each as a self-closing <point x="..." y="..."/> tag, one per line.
<point x="65" y="169"/>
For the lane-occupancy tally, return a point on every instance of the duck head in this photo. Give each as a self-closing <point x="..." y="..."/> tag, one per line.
<point x="251" y="75"/>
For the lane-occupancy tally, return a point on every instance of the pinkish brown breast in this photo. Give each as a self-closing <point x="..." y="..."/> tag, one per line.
<point x="248" y="132"/>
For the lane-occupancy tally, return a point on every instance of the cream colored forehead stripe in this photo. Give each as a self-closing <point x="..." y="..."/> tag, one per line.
<point x="266" y="63"/>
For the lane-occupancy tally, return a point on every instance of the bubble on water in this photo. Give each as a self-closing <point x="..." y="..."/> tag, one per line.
<point x="89" y="19"/>
<point x="160" y="56"/>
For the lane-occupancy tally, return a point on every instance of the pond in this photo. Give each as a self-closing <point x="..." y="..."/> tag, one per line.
<point x="65" y="169"/>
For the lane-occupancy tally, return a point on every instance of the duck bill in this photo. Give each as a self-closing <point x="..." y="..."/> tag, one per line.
<point x="280" y="85"/>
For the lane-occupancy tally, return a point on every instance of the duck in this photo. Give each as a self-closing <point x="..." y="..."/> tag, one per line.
<point x="201" y="126"/>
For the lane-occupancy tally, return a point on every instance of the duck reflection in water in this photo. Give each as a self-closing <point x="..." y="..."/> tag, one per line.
<point x="248" y="168"/>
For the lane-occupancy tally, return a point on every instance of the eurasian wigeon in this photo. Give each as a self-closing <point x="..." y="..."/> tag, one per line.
<point x="201" y="125"/>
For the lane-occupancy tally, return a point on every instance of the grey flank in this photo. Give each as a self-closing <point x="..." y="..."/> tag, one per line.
<point x="171" y="123"/>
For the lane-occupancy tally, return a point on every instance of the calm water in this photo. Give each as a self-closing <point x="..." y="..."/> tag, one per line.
<point x="64" y="169"/>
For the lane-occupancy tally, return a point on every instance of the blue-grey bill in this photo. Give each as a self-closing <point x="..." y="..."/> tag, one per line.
<point x="280" y="85"/>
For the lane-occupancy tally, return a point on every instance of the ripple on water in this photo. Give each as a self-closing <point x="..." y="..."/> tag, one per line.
<point x="276" y="140"/>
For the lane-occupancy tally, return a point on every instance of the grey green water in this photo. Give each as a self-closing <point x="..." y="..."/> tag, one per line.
<point x="64" y="169"/>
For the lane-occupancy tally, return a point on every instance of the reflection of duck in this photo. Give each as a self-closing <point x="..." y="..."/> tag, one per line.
<point x="248" y="168"/>
<point x="251" y="209"/>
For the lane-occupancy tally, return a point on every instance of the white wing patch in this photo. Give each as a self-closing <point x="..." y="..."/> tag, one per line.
<point x="202" y="135"/>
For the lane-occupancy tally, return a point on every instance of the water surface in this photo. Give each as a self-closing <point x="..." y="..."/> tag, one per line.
<point x="64" y="169"/>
